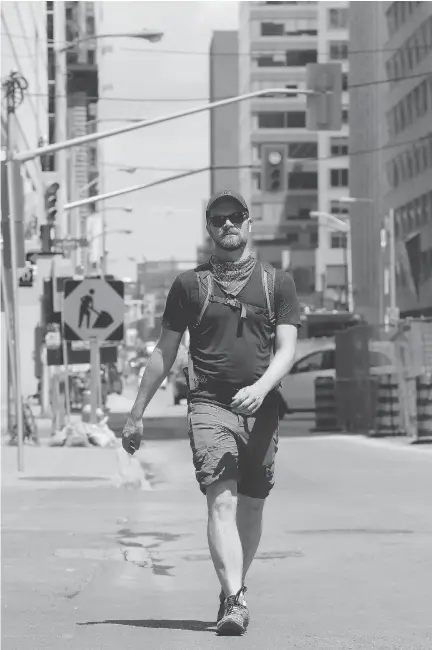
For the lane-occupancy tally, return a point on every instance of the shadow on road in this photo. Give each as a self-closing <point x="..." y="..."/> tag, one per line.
<point x="192" y="626"/>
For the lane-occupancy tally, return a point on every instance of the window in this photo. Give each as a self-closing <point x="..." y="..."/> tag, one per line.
<point x="314" y="239"/>
<point x="339" y="177"/>
<point x="299" y="58"/>
<point x="272" y="29"/>
<point x="303" y="181"/>
<point x="91" y="57"/>
<point x="345" y="116"/>
<point x="292" y="237"/>
<point x="338" y="208"/>
<point x="312" y="363"/>
<point x="339" y="146"/>
<point x="271" y="120"/>
<point x="51" y="98"/>
<point x="378" y="359"/>
<point x="338" y="18"/>
<point x="338" y="240"/>
<point x="296" y="119"/>
<point x="271" y="60"/>
<point x="51" y="129"/>
<point x="338" y="50"/>
<point x="345" y="81"/>
<point x="90" y="25"/>
<point x="302" y="150"/>
<point x="336" y="276"/>
<point x="69" y="13"/>
<point x="93" y="157"/>
<point x="50" y="27"/>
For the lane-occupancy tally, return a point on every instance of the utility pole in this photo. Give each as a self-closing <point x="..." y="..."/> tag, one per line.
<point x="15" y="87"/>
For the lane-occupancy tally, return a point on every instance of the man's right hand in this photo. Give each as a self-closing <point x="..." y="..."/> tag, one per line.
<point x="132" y="435"/>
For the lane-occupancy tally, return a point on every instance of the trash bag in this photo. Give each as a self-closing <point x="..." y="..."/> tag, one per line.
<point x="77" y="435"/>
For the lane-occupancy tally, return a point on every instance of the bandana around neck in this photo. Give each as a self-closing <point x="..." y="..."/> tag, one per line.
<point x="232" y="277"/>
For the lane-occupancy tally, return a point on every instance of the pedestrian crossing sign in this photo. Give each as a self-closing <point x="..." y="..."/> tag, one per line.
<point x="93" y="308"/>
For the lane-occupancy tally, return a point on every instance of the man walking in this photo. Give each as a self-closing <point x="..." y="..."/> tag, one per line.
<point x="242" y="317"/>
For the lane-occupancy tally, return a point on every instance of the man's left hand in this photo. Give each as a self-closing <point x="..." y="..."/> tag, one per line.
<point x="248" y="400"/>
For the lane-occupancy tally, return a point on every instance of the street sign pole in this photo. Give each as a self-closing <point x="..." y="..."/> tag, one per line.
<point x="66" y="367"/>
<point x="11" y="165"/>
<point x="95" y="371"/>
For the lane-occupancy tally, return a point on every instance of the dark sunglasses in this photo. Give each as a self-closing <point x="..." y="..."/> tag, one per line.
<point x="236" y="218"/>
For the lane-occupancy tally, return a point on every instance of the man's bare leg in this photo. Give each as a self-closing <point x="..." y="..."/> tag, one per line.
<point x="223" y="536"/>
<point x="249" y="525"/>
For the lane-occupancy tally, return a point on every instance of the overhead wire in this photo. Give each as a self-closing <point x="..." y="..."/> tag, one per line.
<point x="379" y="50"/>
<point x="207" y="99"/>
<point x="360" y="152"/>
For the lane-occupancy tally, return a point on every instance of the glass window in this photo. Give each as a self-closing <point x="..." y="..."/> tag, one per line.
<point x="296" y="119"/>
<point x="90" y="25"/>
<point x="338" y="18"/>
<point x="272" y="29"/>
<point x="299" y="58"/>
<point x="91" y="57"/>
<point x="338" y="50"/>
<point x="303" y="181"/>
<point x="271" y="120"/>
<point x="312" y="363"/>
<point x="338" y="240"/>
<point x="339" y="177"/>
<point x="302" y="150"/>
<point x="339" y="146"/>
<point x="378" y="359"/>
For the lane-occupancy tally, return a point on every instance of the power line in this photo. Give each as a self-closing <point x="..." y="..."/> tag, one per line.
<point x="207" y="99"/>
<point x="255" y="166"/>
<point x="415" y="48"/>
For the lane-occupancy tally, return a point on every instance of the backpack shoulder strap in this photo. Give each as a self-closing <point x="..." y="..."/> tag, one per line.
<point x="268" y="276"/>
<point x="205" y="290"/>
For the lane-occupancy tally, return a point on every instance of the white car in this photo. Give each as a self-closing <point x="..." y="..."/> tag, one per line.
<point x="298" y="388"/>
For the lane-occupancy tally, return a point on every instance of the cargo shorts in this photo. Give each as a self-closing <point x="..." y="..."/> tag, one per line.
<point x="228" y="446"/>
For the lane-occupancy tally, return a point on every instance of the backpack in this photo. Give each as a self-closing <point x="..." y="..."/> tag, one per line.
<point x="206" y="296"/>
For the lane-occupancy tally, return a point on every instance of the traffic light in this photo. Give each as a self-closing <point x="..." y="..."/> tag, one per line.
<point x="324" y="107"/>
<point x="51" y="202"/>
<point x="274" y="157"/>
<point x="47" y="234"/>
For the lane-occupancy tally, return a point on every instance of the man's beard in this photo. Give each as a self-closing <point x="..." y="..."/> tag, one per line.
<point x="232" y="242"/>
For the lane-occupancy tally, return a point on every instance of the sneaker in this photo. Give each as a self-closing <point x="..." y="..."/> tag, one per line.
<point x="221" y="606"/>
<point x="235" y="617"/>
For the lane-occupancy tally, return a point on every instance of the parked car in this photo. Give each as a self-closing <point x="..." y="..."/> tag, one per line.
<point x="298" y="388"/>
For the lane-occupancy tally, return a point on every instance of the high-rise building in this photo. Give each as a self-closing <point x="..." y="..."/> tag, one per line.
<point x="408" y="111"/>
<point x="224" y="121"/>
<point x="332" y="254"/>
<point x="82" y="93"/>
<point x="391" y="153"/>
<point x="276" y="41"/>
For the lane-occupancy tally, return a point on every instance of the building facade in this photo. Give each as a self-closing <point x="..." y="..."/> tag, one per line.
<point x="408" y="114"/>
<point x="224" y="120"/>
<point x="333" y="254"/>
<point x="224" y="151"/>
<point x="390" y="154"/>
<point x="276" y="41"/>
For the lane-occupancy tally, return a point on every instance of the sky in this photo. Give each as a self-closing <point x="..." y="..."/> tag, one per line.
<point x="167" y="221"/>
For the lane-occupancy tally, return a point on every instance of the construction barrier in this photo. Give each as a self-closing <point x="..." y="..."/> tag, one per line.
<point x="325" y="404"/>
<point x="424" y="408"/>
<point x="387" y="416"/>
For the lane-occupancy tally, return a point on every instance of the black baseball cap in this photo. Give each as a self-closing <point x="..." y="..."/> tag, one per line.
<point x="223" y="194"/>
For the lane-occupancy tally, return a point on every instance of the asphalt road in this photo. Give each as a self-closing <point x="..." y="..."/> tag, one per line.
<point x="345" y="561"/>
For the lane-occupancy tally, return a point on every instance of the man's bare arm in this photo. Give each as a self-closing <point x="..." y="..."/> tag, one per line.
<point x="158" y="367"/>
<point x="286" y="341"/>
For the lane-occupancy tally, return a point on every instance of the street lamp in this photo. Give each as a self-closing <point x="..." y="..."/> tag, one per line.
<point x="145" y="34"/>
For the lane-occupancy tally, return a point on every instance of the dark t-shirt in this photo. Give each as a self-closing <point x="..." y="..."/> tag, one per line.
<point x="226" y="358"/>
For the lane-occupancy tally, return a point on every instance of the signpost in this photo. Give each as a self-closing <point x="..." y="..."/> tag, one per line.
<point x="93" y="310"/>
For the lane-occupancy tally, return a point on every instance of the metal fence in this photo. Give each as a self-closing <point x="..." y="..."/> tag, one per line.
<point x="384" y="379"/>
